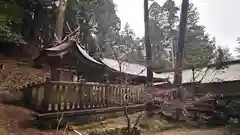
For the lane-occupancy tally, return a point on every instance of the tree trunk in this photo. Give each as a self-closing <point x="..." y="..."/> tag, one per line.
<point x="34" y="34"/>
<point x="181" y="39"/>
<point x="148" y="45"/>
<point x="60" y="17"/>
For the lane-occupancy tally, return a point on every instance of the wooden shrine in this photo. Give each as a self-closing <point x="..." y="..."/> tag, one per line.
<point x="70" y="62"/>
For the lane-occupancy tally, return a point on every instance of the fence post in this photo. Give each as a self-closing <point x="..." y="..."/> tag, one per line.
<point x="82" y="88"/>
<point x="27" y="96"/>
<point x="107" y="87"/>
<point x="47" y="95"/>
<point x="214" y="103"/>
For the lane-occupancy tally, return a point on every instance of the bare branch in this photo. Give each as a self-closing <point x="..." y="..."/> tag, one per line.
<point x="136" y="123"/>
<point x="204" y="75"/>
<point x="138" y="119"/>
<point x="58" y="40"/>
<point x="77" y="132"/>
<point x="126" y="114"/>
<point x="68" y="26"/>
<point x="71" y="34"/>
<point x="59" y="121"/>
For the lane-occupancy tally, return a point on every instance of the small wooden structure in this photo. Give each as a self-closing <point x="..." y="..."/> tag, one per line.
<point x="55" y="96"/>
<point x="69" y="60"/>
<point x="83" y="85"/>
<point x="82" y="102"/>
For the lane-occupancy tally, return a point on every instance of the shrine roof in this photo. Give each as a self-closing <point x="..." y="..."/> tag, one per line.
<point x="127" y="67"/>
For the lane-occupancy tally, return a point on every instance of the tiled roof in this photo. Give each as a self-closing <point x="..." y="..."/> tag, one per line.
<point x="129" y="68"/>
<point x="85" y="54"/>
<point x="230" y="73"/>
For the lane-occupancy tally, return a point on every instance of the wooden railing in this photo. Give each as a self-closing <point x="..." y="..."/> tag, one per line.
<point x="62" y="96"/>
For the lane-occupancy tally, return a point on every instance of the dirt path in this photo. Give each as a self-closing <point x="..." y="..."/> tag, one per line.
<point x="14" y="120"/>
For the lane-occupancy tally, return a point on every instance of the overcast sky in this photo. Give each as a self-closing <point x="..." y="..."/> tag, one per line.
<point x="221" y="18"/>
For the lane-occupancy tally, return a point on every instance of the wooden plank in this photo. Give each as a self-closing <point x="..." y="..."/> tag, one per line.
<point x="122" y="94"/>
<point x="128" y="95"/>
<point x="95" y="101"/>
<point x="91" y="96"/>
<point x="99" y="91"/>
<point x="51" y="97"/>
<point x="34" y="95"/>
<point x="45" y="102"/>
<point x="71" y="96"/>
<point x="103" y="90"/>
<point x="114" y="96"/>
<point x="77" y="97"/>
<point x="82" y="95"/>
<point x="90" y="111"/>
<point x="110" y="95"/>
<point x="74" y="97"/>
<point x="106" y="95"/>
<point x="86" y="96"/>
<point x="200" y="109"/>
<point x="55" y="97"/>
<point x="61" y="98"/>
<point x="40" y="96"/>
<point x="27" y="96"/>
<point x="67" y="96"/>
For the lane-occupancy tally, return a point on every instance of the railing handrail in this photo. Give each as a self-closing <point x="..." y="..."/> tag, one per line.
<point x="65" y="82"/>
<point x="31" y="86"/>
<point x="97" y="84"/>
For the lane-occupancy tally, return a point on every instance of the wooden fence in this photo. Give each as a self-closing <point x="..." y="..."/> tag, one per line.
<point x="63" y="96"/>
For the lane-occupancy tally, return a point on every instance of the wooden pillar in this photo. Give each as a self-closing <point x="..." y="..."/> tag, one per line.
<point x="47" y="95"/>
<point x="55" y="74"/>
<point x="27" y="96"/>
<point x="54" y="63"/>
<point x="75" y="77"/>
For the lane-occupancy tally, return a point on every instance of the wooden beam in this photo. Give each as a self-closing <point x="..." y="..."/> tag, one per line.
<point x="140" y="107"/>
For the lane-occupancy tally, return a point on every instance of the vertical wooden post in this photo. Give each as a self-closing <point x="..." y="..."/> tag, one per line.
<point x="39" y="93"/>
<point x="27" y="96"/>
<point x="102" y="96"/>
<point x="107" y="87"/>
<point x="47" y="95"/>
<point x="214" y="102"/>
<point x="82" y="95"/>
<point x="55" y="74"/>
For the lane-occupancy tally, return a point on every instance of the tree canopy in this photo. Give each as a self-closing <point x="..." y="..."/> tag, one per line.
<point x="34" y="21"/>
